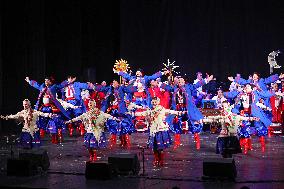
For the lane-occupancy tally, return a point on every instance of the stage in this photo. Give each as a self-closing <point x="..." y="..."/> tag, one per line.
<point x="183" y="166"/>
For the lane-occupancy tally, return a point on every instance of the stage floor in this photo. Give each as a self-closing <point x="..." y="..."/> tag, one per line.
<point x="183" y="166"/>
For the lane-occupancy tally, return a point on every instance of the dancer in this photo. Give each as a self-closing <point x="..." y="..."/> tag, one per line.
<point x="227" y="142"/>
<point x="29" y="137"/>
<point x="93" y="121"/>
<point x="159" y="138"/>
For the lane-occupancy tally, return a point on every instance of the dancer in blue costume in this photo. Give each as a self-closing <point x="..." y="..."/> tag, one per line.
<point x="50" y="89"/>
<point x="116" y="106"/>
<point x="182" y="100"/>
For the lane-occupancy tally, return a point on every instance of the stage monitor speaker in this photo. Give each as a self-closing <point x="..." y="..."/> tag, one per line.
<point x="125" y="163"/>
<point x="20" y="167"/>
<point x="219" y="167"/>
<point x="39" y="158"/>
<point x="98" y="170"/>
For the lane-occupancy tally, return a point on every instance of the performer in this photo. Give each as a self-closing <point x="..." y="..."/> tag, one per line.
<point x="117" y="108"/>
<point x="198" y="93"/>
<point x="227" y="142"/>
<point x="260" y="83"/>
<point x="72" y="95"/>
<point x="93" y="121"/>
<point x="29" y="137"/>
<point x="53" y="125"/>
<point x="49" y="90"/>
<point x="249" y="99"/>
<point x="182" y="101"/>
<point x="159" y="138"/>
<point x="219" y="98"/>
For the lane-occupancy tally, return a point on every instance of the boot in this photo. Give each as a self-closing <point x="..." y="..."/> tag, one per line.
<point x="94" y="155"/>
<point x="156" y="158"/>
<point x="71" y="129"/>
<point x="91" y="155"/>
<point x="41" y="132"/>
<point x="197" y="140"/>
<point x="112" y="141"/>
<point x="161" y="158"/>
<point x="82" y="129"/>
<point x="176" y="141"/>
<point x="262" y="142"/>
<point x="60" y="136"/>
<point x="249" y="144"/>
<point x="54" y="139"/>
<point x="246" y="146"/>
<point x="127" y="141"/>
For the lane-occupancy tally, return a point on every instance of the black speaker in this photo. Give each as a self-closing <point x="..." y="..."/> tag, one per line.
<point x="125" y="163"/>
<point x="98" y="170"/>
<point x="19" y="167"/>
<point x="219" y="167"/>
<point x="39" y="158"/>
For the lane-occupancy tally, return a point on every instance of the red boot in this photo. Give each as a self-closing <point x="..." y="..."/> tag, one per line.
<point x="249" y="144"/>
<point x="112" y="141"/>
<point x="197" y="140"/>
<point x="94" y="155"/>
<point x="127" y="141"/>
<point x="156" y="158"/>
<point x="246" y="146"/>
<point x="60" y="136"/>
<point x="71" y="129"/>
<point x="262" y="142"/>
<point x="54" y="139"/>
<point x="176" y="141"/>
<point x="82" y="129"/>
<point x="41" y="133"/>
<point x="161" y="158"/>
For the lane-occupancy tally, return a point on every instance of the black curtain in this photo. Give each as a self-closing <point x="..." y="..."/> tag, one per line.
<point x="219" y="37"/>
<point x="41" y="38"/>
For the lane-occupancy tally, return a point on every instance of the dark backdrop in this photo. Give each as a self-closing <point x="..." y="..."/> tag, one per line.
<point x="42" y="37"/>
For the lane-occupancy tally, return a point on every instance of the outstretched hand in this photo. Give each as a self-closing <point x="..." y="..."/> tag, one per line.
<point x="281" y="76"/>
<point x="115" y="71"/>
<point x="27" y="79"/>
<point x="231" y="78"/>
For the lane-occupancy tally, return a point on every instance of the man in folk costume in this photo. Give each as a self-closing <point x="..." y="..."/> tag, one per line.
<point x="48" y="92"/>
<point x="93" y="121"/>
<point x="30" y="136"/>
<point x="116" y="106"/>
<point x="72" y="95"/>
<point x="249" y="99"/>
<point x="182" y="100"/>
<point x="159" y="138"/>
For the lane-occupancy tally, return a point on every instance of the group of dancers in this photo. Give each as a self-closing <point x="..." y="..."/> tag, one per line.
<point x="141" y="103"/>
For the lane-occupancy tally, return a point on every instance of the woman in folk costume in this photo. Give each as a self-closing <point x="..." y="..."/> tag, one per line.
<point x="227" y="142"/>
<point x="30" y="136"/>
<point x="159" y="138"/>
<point x="182" y="101"/>
<point x="93" y="120"/>
<point x="49" y="89"/>
<point x="116" y="106"/>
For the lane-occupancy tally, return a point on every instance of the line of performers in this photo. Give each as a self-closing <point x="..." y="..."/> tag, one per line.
<point x="143" y="103"/>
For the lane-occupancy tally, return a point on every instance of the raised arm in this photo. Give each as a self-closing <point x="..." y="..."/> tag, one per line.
<point x="15" y="116"/>
<point x="39" y="113"/>
<point x="32" y="83"/>
<point x="231" y="94"/>
<point x="271" y="79"/>
<point x="168" y="111"/>
<point x="79" y="118"/>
